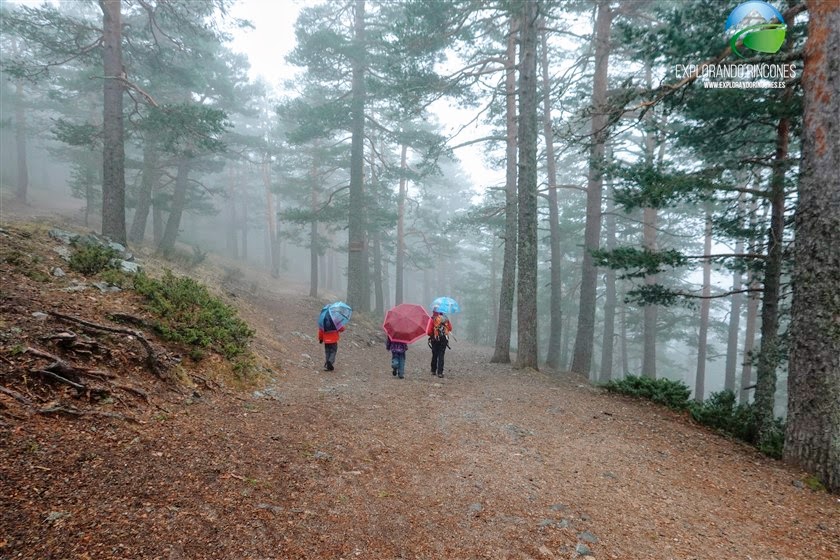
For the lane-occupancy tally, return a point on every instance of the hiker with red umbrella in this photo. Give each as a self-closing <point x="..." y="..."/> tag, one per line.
<point x="404" y="324"/>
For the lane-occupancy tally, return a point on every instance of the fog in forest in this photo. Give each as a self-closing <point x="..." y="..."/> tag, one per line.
<point x="244" y="139"/>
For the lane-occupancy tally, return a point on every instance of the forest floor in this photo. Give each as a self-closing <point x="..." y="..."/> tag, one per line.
<point x="488" y="462"/>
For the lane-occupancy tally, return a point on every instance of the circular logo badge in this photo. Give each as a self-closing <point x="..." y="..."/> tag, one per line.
<point x="757" y="25"/>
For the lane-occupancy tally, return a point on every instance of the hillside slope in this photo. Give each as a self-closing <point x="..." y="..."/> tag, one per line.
<point x="488" y="462"/>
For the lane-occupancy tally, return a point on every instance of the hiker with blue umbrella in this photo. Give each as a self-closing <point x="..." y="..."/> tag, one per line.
<point x="439" y="330"/>
<point x="446" y="305"/>
<point x="332" y="321"/>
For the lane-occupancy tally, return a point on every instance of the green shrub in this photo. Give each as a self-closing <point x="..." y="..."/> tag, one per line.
<point x="721" y="412"/>
<point x="187" y="313"/>
<point x="92" y="259"/>
<point x="673" y="394"/>
<point x="774" y="445"/>
<point x="116" y="277"/>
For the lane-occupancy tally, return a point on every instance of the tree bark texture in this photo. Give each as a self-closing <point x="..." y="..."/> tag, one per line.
<point x="526" y="301"/>
<point x="400" y="265"/>
<point x="314" y="240"/>
<point x="752" y="316"/>
<point x="555" y="308"/>
<point x="113" y="150"/>
<point x="585" y="336"/>
<point x="734" y="317"/>
<point x="812" y="440"/>
<point x="176" y="210"/>
<point x="21" y="192"/>
<point x="271" y="219"/>
<point x="649" y="217"/>
<point x="610" y="300"/>
<point x="378" y="294"/>
<point x="148" y="183"/>
<point x="650" y="310"/>
<point x="20" y="143"/>
<point x="705" y="304"/>
<point x="357" y="263"/>
<point x="501" y="353"/>
<point x="769" y="354"/>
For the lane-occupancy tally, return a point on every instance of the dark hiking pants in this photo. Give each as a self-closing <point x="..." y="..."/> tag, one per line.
<point x="330" y="350"/>
<point x="438" y="352"/>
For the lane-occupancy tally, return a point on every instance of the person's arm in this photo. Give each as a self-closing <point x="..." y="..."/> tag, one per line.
<point x="320" y="336"/>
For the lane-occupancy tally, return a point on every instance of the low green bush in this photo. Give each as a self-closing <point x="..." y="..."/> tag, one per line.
<point x="721" y="412"/>
<point x="187" y="313"/>
<point x="89" y="259"/>
<point x="673" y="394"/>
<point x="116" y="277"/>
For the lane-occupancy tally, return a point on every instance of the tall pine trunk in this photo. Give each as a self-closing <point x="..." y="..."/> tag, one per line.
<point x="176" y="210"/>
<point x="812" y="440"/>
<point x="231" y="235"/>
<point x="526" y="301"/>
<point x="752" y="315"/>
<point x="400" y="265"/>
<point x="243" y="222"/>
<point x="501" y="353"/>
<point x="314" y="240"/>
<point x="552" y="359"/>
<point x="148" y="183"/>
<point x="585" y="336"/>
<point x="610" y="301"/>
<point x="378" y="294"/>
<point x="650" y="310"/>
<point x="734" y="316"/>
<point x="770" y="352"/>
<point x="358" y="290"/>
<point x="271" y="219"/>
<point x="113" y="150"/>
<point x="649" y="218"/>
<point x="22" y="192"/>
<point x="705" y="304"/>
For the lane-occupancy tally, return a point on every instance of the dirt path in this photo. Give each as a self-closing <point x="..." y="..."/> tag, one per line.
<point x="486" y="463"/>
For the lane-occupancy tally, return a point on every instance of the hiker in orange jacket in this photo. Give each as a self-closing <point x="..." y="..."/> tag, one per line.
<point x="439" y="329"/>
<point x="330" y="341"/>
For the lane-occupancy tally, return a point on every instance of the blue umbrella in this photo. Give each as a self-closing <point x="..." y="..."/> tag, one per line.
<point x="334" y="316"/>
<point x="446" y="305"/>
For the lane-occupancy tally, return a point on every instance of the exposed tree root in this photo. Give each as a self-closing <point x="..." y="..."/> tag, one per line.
<point x="153" y="358"/>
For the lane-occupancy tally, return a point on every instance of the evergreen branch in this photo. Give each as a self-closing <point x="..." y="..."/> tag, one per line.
<point x="667" y="90"/>
<point x="329" y="200"/>
<point x="728" y="255"/>
<point x="478" y="141"/>
<point x="720" y="295"/>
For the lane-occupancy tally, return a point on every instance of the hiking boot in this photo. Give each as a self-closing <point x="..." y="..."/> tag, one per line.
<point x="330" y="366"/>
<point x="393" y="371"/>
<point x="401" y="376"/>
<point x="440" y="374"/>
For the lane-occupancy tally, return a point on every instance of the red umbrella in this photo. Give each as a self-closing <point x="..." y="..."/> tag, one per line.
<point x="406" y="323"/>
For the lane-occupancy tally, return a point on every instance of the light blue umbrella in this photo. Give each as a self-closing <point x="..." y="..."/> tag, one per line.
<point x="334" y="316"/>
<point x="446" y="305"/>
